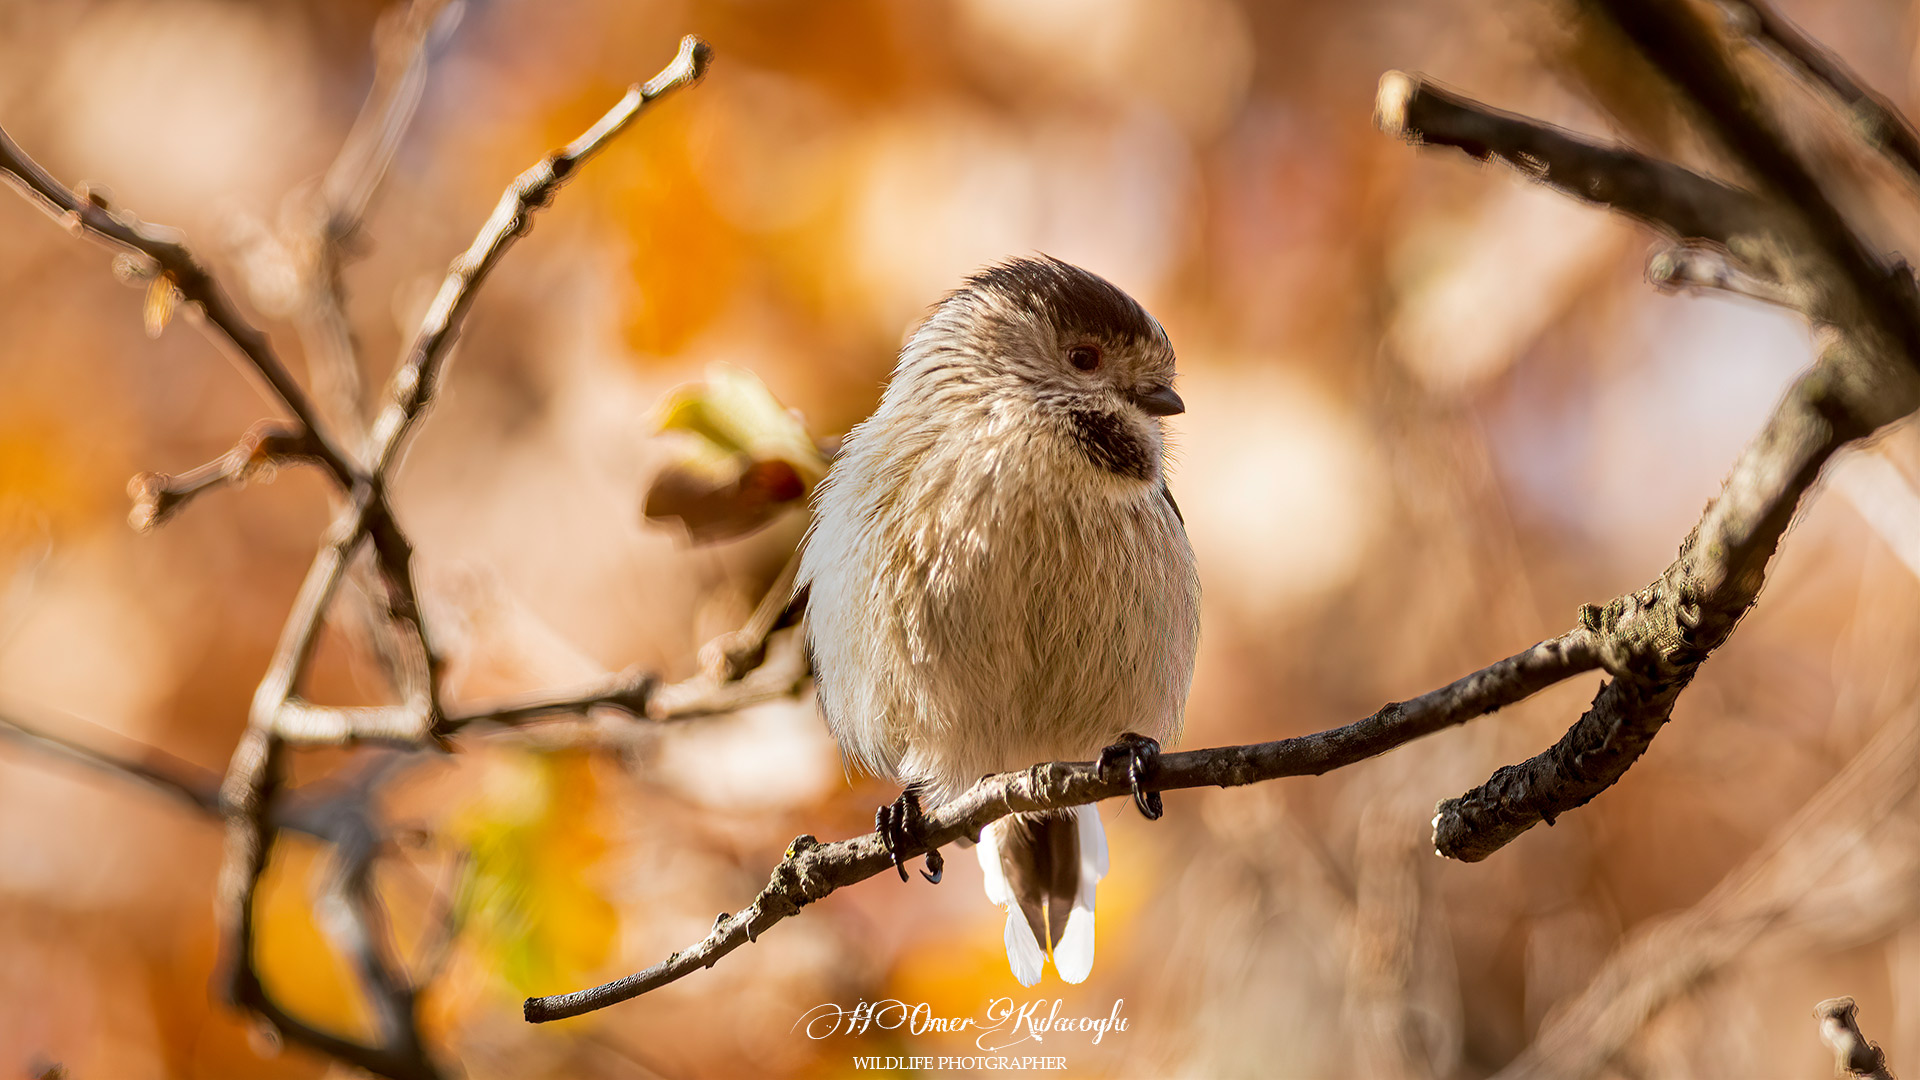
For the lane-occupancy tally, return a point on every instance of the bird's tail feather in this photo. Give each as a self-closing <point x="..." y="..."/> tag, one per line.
<point x="1043" y="869"/>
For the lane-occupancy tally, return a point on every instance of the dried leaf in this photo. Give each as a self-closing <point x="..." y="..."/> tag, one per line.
<point x="742" y="461"/>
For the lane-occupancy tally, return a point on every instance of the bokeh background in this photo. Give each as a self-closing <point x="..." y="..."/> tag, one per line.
<point x="1432" y="409"/>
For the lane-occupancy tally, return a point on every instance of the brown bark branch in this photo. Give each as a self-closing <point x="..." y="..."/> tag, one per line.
<point x="1675" y="200"/>
<point x="1877" y="122"/>
<point x="1693" y="267"/>
<point x="331" y="214"/>
<point x="1654" y="640"/>
<point x="161" y="771"/>
<point x="812" y="871"/>
<point x="339" y="814"/>
<point x="739" y="668"/>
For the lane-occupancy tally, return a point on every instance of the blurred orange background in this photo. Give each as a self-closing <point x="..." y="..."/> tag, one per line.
<point x="1432" y="409"/>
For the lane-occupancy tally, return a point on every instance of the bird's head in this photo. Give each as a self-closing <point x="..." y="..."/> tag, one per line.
<point x="1071" y="343"/>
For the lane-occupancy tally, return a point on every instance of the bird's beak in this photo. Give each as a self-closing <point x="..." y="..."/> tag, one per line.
<point x="1160" y="401"/>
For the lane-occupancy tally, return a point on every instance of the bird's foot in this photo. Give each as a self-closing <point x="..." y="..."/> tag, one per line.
<point x="901" y="825"/>
<point x="1138" y="753"/>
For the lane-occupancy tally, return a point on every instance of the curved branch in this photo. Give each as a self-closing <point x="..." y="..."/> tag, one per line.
<point x="812" y="870"/>
<point x="1654" y="640"/>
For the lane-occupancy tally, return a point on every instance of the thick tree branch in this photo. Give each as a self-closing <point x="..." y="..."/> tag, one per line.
<point x="1855" y="288"/>
<point x="1677" y="201"/>
<point x="1655" y="639"/>
<point x="812" y="870"/>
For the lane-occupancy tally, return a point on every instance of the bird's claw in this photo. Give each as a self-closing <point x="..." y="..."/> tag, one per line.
<point x="1139" y="753"/>
<point x="901" y="825"/>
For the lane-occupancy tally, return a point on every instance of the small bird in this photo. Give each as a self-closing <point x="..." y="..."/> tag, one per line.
<point x="997" y="575"/>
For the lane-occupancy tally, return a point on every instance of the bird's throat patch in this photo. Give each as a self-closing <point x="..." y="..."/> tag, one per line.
<point x="1111" y="443"/>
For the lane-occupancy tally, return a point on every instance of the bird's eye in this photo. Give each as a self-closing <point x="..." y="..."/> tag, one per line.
<point x="1084" y="357"/>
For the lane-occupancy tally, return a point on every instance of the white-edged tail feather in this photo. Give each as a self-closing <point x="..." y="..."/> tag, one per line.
<point x="1023" y="950"/>
<point x="1073" y="952"/>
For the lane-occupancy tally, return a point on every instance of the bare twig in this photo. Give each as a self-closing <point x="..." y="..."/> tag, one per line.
<point x="328" y="217"/>
<point x="629" y="692"/>
<point x="418" y="376"/>
<point x="266" y="446"/>
<point x="1877" y="121"/>
<point x="320" y="244"/>
<point x="739" y="668"/>
<point x="1677" y="201"/>
<point x="340" y="814"/>
<point x="1853" y="1055"/>
<point x="781" y="674"/>
<point x="812" y="870"/>
<point x="89" y="215"/>
<point x="184" y="781"/>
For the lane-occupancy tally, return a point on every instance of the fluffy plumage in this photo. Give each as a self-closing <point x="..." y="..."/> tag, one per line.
<point x="998" y="574"/>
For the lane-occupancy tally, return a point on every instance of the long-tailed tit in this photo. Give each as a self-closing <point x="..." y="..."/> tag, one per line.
<point x="998" y="575"/>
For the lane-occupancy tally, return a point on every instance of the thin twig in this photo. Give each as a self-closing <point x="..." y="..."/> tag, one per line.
<point x="738" y="668"/>
<point x="1853" y="1056"/>
<point x="320" y="242"/>
<point x="781" y="674"/>
<point x="89" y="216"/>
<point x="265" y="447"/>
<point x="1878" y="122"/>
<point x="184" y="781"/>
<point x="329" y="217"/>
<point x="418" y="376"/>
